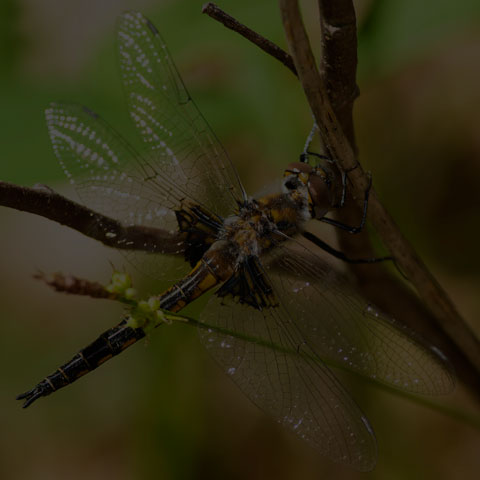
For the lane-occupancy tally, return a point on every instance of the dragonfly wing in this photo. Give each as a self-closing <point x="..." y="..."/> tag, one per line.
<point x="288" y="381"/>
<point x="113" y="179"/>
<point x="185" y="171"/>
<point x="349" y="333"/>
<point x="182" y="143"/>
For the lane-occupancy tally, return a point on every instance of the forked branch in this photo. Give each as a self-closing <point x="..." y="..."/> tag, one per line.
<point x="332" y="134"/>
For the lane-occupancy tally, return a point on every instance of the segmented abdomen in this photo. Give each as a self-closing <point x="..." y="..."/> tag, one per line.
<point x="115" y="340"/>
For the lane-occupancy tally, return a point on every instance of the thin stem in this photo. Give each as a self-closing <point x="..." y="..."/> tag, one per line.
<point x="74" y="285"/>
<point x="264" y="44"/>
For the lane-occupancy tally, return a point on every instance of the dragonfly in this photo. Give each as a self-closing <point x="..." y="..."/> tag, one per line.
<point x="266" y="284"/>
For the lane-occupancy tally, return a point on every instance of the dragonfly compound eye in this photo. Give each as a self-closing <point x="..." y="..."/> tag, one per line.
<point x="296" y="175"/>
<point x="298" y="168"/>
<point x="316" y="179"/>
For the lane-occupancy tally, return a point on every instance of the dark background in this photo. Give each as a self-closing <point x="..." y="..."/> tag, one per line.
<point x="167" y="411"/>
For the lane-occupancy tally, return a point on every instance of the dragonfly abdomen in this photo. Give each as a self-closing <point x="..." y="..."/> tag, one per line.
<point x="107" y="345"/>
<point x="115" y="340"/>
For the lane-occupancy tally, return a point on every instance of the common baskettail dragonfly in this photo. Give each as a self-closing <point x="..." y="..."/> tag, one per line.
<point x="268" y="285"/>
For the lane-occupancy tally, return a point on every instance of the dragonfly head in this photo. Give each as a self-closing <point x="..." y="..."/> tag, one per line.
<point x="318" y="182"/>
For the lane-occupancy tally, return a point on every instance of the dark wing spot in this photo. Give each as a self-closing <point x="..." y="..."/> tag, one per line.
<point x="249" y="285"/>
<point x="202" y="230"/>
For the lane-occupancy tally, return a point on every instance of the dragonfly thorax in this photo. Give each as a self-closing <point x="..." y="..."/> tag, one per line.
<point x="265" y="221"/>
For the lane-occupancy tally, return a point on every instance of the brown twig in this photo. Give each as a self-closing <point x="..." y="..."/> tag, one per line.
<point x="430" y="291"/>
<point x="338" y="65"/>
<point x="338" y="68"/>
<point x="74" y="285"/>
<point x="264" y="44"/>
<point x="43" y="201"/>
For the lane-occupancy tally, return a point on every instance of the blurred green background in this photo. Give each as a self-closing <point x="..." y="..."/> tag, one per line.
<point x="167" y="411"/>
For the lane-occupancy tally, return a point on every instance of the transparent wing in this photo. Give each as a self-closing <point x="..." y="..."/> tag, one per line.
<point x="168" y="120"/>
<point x="185" y="166"/>
<point x="111" y="178"/>
<point x="347" y="332"/>
<point x="288" y="382"/>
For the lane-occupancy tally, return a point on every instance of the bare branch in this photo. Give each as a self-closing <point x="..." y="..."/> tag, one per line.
<point x="74" y="285"/>
<point x="43" y="201"/>
<point x="338" y="68"/>
<point x="266" y="45"/>
<point x="429" y="289"/>
<point x="338" y="64"/>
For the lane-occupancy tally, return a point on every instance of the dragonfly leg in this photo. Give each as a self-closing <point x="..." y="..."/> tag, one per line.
<point x="108" y="344"/>
<point x="349" y="228"/>
<point x="330" y="221"/>
<point x="337" y="254"/>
